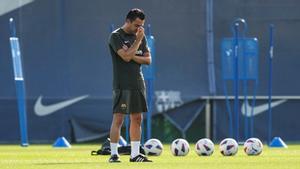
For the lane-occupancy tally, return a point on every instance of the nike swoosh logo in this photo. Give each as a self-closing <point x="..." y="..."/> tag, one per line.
<point x="12" y="5"/>
<point x="259" y="109"/>
<point x="43" y="110"/>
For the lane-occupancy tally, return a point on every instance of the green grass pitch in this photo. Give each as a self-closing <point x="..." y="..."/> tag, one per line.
<point x="46" y="157"/>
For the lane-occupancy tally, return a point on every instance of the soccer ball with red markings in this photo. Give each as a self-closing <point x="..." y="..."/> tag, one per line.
<point x="180" y="147"/>
<point x="253" y="146"/>
<point x="153" y="147"/>
<point x="204" y="147"/>
<point x="228" y="147"/>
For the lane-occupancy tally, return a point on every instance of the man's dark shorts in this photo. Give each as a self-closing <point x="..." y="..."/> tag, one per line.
<point x="129" y="101"/>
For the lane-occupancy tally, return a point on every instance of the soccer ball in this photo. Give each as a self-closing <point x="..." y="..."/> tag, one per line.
<point x="204" y="147"/>
<point x="153" y="147"/>
<point x="253" y="146"/>
<point x="228" y="147"/>
<point x="180" y="147"/>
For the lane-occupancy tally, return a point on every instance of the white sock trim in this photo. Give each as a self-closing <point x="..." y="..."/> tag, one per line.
<point x="135" y="148"/>
<point x="114" y="148"/>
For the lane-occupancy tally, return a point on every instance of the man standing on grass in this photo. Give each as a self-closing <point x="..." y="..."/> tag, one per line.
<point x="129" y="50"/>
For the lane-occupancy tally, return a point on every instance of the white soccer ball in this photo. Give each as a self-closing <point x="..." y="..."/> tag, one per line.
<point x="153" y="147"/>
<point x="253" y="146"/>
<point x="228" y="147"/>
<point x="180" y="147"/>
<point x="204" y="147"/>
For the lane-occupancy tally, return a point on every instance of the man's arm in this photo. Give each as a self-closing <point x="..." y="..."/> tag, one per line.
<point x="146" y="59"/>
<point x="128" y="54"/>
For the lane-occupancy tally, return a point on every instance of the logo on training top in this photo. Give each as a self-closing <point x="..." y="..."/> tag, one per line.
<point x="259" y="109"/>
<point x="139" y="52"/>
<point x="43" y="110"/>
<point x="166" y="100"/>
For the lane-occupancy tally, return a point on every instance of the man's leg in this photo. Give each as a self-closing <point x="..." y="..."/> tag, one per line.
<point x="135" y="136"/>
<point x="115" y="135"/>
<point x="135" y="133"/>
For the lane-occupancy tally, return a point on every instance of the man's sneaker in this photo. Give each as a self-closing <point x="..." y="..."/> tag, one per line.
<point x="114" y="159"/>
<point x="140" y="158"/>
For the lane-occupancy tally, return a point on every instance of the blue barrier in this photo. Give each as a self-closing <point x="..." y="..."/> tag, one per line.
<point x="19" y="82"/>
<point x="239" y="63"/>
<point x="271" y="44"/>
<point x="149" y="75"/>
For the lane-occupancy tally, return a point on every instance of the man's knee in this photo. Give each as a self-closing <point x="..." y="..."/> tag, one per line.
<point x="118" y="120"/>
<point x="136" y="118"/>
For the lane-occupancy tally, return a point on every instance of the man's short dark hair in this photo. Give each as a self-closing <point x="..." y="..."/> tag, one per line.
<point x="135" y="13"/>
